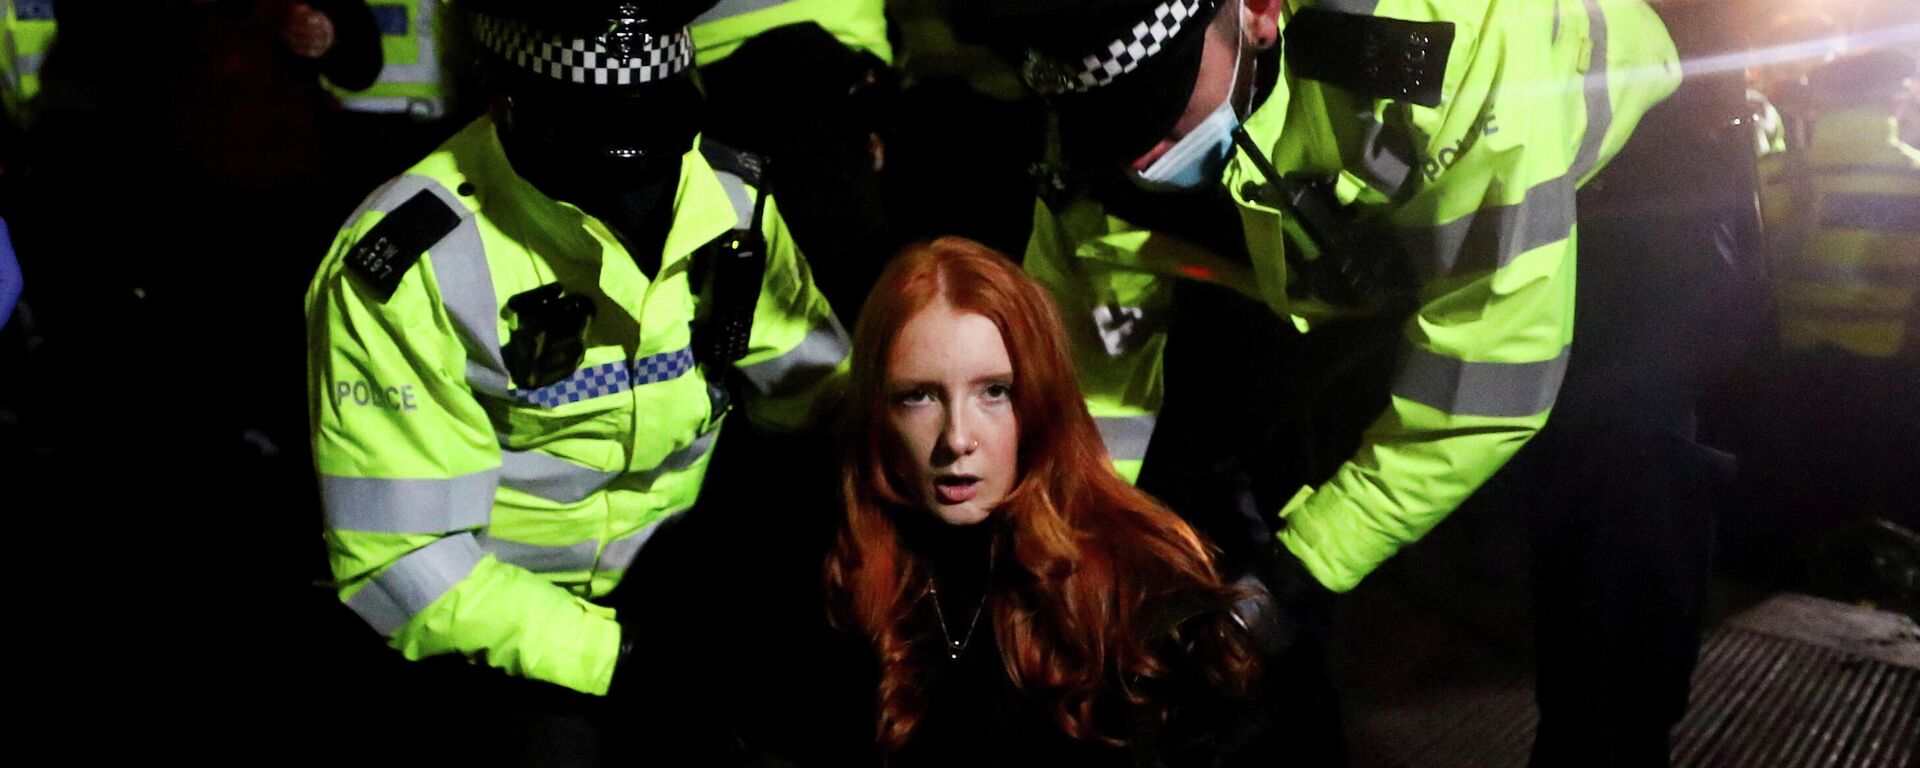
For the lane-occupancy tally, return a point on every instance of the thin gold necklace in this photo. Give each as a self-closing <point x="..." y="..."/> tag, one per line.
<point x="955" y="647"/>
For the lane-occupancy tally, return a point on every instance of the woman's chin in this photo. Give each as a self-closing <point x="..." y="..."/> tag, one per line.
<point x="966" y="513"/>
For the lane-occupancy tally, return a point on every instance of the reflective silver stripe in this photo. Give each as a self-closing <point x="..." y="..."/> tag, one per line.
<point x="466" y="288"/>
<point x="549" y="477"/>
<point x="1490" y="238"/>
<point x="466" y="285"/>
<point x="621" y="552"/>
<point x="385" y="104"/>
<point x="618" y="556"/>
<point x="1386" y="155"/>
<point x="413" y="74"/>
<point x="1599" y="96"/>
<point x="486" y="380"/>
<point x="813" y="359"/>
<point x="543" y="559"/>
<point x="737" y="193"/>
<point x="406" y="505"/>
<point x="683" y="458"/>
<point x="414" y="581"/>
<point x="730" y="8"/>
<point x="561" y="481"/>
<point x="1126" y="436"/>
<point x="394" y="105"/>
<point x="28" y="65"/>
<point x="1479" y="389"/>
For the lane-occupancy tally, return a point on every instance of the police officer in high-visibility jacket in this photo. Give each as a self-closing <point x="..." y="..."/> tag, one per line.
<point x="805" y="84"/>
<point x="418" y="101"/>
<point x="1830" y="444"/>
<point x="412" y="79"/>
<point x="1397" y="191"/>
<point x="26" y="32"/>
<point x="1459" y="131"/>
<point x="521" y="350"/>
<point x="1846" y="211"/>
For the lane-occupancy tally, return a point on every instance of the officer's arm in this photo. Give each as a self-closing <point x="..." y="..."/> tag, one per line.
<point x="797" y="355"/>
<point x="1491" y="230"/>
<point x="1480" y="365"/>
<point x="408" y="466"/>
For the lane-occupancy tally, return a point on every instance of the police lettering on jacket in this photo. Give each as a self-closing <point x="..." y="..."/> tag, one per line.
<point x="1447" y="156"/>
<point x="368" y="394"/>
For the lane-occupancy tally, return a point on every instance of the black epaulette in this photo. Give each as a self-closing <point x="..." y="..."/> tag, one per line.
<point x="746" y="165"/>
<point x="1373" y="56"/>
<point x="385" y="253"/>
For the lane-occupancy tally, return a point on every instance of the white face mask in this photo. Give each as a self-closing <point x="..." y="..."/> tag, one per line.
<point x="1199" y="157"/>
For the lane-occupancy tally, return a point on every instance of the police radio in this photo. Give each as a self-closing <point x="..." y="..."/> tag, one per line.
<point x="734" y="268"/>
<point x="1342" y="261"/>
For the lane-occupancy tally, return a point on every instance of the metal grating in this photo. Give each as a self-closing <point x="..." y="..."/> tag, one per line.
<point x="1769" y="694"/>
<point x="1796" y="682"/>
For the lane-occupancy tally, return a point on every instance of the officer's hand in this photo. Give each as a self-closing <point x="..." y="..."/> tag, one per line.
<point x="309" y="33"/>
<point x="1283" y="601"/>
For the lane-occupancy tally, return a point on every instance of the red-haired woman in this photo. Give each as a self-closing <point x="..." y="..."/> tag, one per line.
<point x="1024" y="605"/>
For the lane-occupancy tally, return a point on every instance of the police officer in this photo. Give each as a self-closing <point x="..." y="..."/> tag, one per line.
<point x="413" y="105"/>
<point x="806" y="84"/>
<point x="1829" y="443"/>
<point x="523" y="351"/>
<point x="1318" y="257"/>
<point x="1846" y="208"/>
<point x="26" y="33"/>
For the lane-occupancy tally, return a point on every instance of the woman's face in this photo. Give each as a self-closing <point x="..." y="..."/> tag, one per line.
<point x="950" y="407"/>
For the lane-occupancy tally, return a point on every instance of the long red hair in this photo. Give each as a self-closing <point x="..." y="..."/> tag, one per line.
<point x="1091" y="555"/>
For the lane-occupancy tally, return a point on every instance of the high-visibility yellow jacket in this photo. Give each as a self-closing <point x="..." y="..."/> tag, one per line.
<point x="411" y="79"/>
<point x="468" y="515"/>
<point x="1844" y="218"/>
<point x="1537" y="96"/>
<point x="859" y="24"/>
<point x="26" y="33"/>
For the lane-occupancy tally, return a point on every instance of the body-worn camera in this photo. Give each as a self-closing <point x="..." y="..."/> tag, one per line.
<point x="549" y="337"/>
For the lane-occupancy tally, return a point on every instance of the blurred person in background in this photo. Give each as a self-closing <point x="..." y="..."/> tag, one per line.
<point x="1829" y="440"/>
<point x="247" y="123"/>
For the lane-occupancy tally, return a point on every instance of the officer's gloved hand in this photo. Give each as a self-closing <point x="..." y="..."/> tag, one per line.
<point x="627" y="682"/>
<point x="1284" y="601"/>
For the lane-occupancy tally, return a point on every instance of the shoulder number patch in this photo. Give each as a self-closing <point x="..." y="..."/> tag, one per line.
<point x="1373" y="56"/>
<point x="387" y="251"/>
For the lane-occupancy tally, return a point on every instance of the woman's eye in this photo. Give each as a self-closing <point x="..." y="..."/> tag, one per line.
<point x="913" y="397"/>
<point x="999" y="391"/>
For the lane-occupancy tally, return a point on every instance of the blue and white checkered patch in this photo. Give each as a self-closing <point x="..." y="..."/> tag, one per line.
<point x="662" y="367"/>
<point x="608" y="379"/>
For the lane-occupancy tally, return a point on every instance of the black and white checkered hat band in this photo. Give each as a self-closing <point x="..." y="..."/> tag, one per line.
<point x="1053" y="76"/>
<point x="586" y="61"/>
